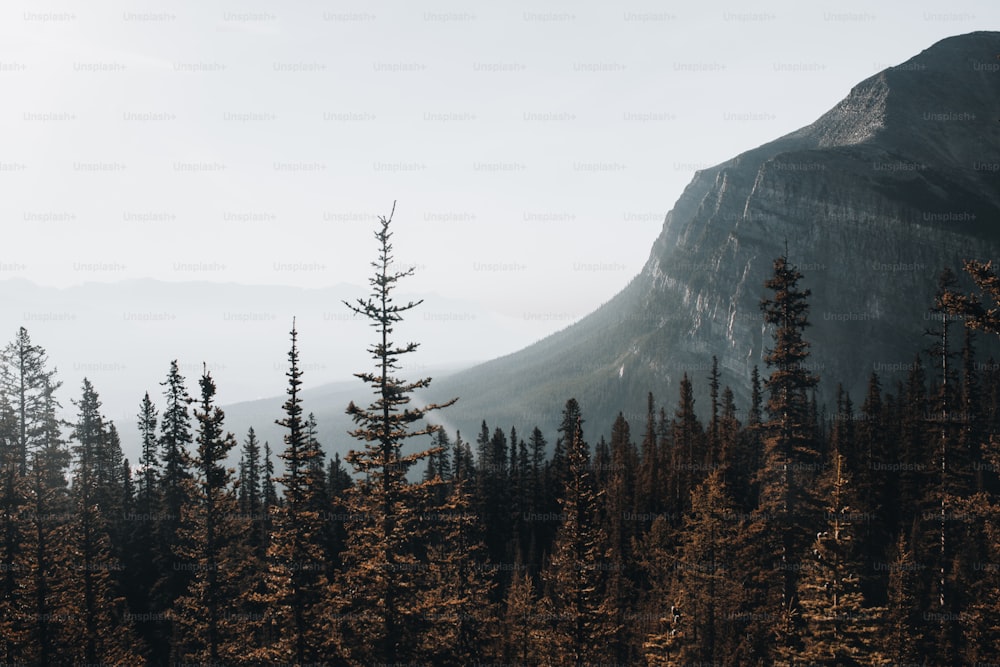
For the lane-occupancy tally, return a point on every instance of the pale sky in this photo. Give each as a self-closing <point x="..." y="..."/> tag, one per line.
<point x="533" y="147"/>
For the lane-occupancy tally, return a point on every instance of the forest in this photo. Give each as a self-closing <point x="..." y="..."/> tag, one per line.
<point x="778" y="533"/>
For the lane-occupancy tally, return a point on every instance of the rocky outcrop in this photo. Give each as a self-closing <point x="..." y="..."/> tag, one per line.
<point x="873" y="200"/>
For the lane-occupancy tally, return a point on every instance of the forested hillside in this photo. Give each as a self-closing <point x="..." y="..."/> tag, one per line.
<point x="782" y="531"/>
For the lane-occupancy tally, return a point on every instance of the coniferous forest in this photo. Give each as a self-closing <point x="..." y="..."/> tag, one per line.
<point x="783" y="532"/>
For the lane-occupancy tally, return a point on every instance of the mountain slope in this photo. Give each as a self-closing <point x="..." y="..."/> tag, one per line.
<point x="873" y="199"/>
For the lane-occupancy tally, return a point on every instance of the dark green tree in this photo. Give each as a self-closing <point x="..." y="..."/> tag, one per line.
<point x="93" y="603"/>
<point x="209" y="627"/>
<point x="583" y="622"/>
<point x="294" y="597"/>
<point x="780" y="530"/>
<point x="175" y="439"/>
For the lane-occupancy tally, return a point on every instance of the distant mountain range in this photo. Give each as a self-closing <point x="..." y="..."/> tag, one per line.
<point x="898" y="181"/>
<point x="123" y="335"/>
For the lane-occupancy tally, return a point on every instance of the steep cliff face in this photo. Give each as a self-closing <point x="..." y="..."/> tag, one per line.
<point x="898" y="181"/>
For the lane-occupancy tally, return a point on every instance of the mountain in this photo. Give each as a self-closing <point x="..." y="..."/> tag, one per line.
<point x="898" y="181"/>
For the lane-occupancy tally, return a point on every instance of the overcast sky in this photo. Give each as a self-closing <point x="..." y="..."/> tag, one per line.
<point x="533" y="147"/>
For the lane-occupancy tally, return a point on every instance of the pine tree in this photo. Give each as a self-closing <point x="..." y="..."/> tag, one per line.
<point x="649" y="492"/>
<point x="583" y="622"/>
<point x="973" y="432"/>
<point x="913" y="450"/>
<point x="94" y="605"/>
<point x="110" y="491"/>
<point x="689" y="456"/>
<point x="268" y="491"/>
<point x="35" y="503"/>
<point x="522" y="627"/>
<point x="839" y="629"/>
<point x="618" y="503"/>
<point x="729" y="428"/>
<point x="458" y="614"/>
<point x="296" y="557"/>
<point x="557" y="471"/>
<point x="175" y="439"/>
<point x="28" y="382"/>
<point x="621" y="488"/>
<point x="876" y="491"/>
<point x="250" y="492"/>
<point x="493" y="489"/>
<point x="439" y="464"/>
<point x="952" y="482"/>
<point x="464" y="463"/>
<point x="46" y="542"/>
<point x="339" y="483"/>
<point x="148" y="459"/>
<point x="779" y="532"/>
<point x="207" y="621"/>
<point x="535" y="542"/>
<point x="976" y="314"/>
<point x="902" y="623"/>
<point x="381" y="582"/>
<point x="713" y="423"/>
<point x="15" y="610"/>
<point x="700" y="627"/>
<point x="253" y="597"/>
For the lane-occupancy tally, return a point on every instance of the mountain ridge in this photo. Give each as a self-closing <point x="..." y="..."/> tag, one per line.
<point x="874" y="198"/>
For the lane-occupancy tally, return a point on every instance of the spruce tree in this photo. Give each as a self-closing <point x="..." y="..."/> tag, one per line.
<point x="712" y="435"/>
<point x="876" y="491"/>
<point x="839" y="629"/>
<point x="523" y="634"/>
<point x="618" y="517"/>
<point x="49" y="524"/>
<point x="15" y="602"/>
<point x="780" y="530"/>
<point x="296" y="580"/>
<point x="583" y="621"/>
<point x="902" y="626"/>
<point x="94" y="604"/>
<point x="689" y="457"/>
<point x="27" y="381"/>
<point x="175" y="439"/>
<point x="649" y="492"/>
<point x="700" y="626"/>
<point x="953" y="479"/>
<point x="459" y="616"/>
<point x="208" y="627"/>
<point x="380" y="585"/>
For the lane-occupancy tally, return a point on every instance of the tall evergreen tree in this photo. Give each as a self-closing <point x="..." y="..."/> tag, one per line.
<point x="94" y="605"/>
<point x="523" y="632"/>
<point x="296" y="558"/>
<point x="839" y="629"/>
<point x="456" y="603"/>
<point x="141" y="566"/>
<point x="380" y="582"/>
<point x="208" y="625"/>
<point x="689" y="457"/>
<point x="175" y="439"/>
<point x="713" y="422"/>
<point x="15" y="602"/>
<point x="780" y="530"/>
<point x="649" y="492"/>
<point x="902" y="631"/>
<point x="46" y="541"/>
<point x="28" y="382"/>
<point x="148" y="459"/>
<point x="583" y="622"/>
<point x="702" y="622"/>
